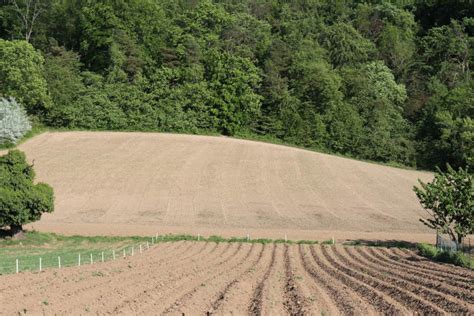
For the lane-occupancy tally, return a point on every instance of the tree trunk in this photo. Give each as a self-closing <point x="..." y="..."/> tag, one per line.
<point x="459" y="242"/>
<point x="16" y="231"/>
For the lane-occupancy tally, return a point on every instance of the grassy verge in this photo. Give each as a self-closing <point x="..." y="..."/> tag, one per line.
<point x="435" y="254"/>
<point x="49" y="247"/>
<point x="35" y="130"/>
<point x="382" y="243"/>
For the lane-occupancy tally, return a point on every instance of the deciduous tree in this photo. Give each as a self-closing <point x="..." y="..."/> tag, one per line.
<point x="21" y="200"/>
<point x="449" y="200"/>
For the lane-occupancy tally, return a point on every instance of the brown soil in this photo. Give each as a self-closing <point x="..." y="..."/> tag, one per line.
<point x="231" y="278"/>
<point x="114" y="183"/>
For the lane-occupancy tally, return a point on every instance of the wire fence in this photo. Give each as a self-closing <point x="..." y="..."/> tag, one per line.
<point x="69" y="258"/>
<point x="79" y="257"/>
<point x="445" y="243"/>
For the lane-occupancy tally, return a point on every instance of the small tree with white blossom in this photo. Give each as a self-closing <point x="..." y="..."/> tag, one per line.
<point x="14" y="123"/>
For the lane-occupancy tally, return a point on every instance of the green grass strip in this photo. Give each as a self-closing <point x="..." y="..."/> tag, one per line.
<point x="454" y="257"/>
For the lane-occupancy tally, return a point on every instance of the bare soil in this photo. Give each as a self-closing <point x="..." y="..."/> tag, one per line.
<point x="115" y="183"/>
<point x="232" y="278"/>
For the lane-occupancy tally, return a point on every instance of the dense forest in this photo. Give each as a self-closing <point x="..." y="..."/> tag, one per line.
<point x="377" y="80"/>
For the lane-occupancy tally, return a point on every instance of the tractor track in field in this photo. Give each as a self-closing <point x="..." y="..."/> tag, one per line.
<point x="74" y="285"/>
<point x="450" y="271"/>
<point x="42" y="278"/>
<point x="179" y="275"/>
<point x="294" y="301"/>
<point x="97" y="290"/>
<point x="359" y="284"/>
<point x="123" y="285"/>
<point x="345" y="304"/>
<point x="416" y="297"/>
<point x="384" y="256"/>
<point x="255" y="307"/>
<point x="382" y="283"/>
<point x="234" y="260"/>
<point x="243" y="278"/>
<point x="216" y="304"/>
<point x="377" y="262"/>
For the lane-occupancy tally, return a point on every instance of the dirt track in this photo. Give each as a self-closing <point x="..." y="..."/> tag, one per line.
<point x="142" y="183"/>
<point x="198" y="277"/>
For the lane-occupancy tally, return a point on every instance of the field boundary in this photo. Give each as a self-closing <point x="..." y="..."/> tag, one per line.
<point x="38" y="263"/>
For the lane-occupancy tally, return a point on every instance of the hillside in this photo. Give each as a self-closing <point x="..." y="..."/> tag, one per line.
<point x="141" y="183"/>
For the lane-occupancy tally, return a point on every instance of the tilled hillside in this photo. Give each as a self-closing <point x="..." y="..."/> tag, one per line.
<point x="245" y="278"/>
<point x="113" y="183"/>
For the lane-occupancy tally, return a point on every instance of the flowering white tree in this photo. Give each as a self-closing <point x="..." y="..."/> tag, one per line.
<point x="14" y="122"/>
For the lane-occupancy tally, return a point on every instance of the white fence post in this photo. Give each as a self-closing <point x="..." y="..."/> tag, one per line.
<point x="92" y="259"/>
<point x="40" y="265"/>
<point x="59" y="262"/>
<point x="113" y="254"/>
<point x="79" y="260"/>
<point x="102" y="256"/>
<point x="286" y="238"/>
<point x="248" y="237"/>
<point x="17" y="267"/>
<point x="133" y="251"/>
<point x="124" y="254"/>
<point x="140" y="248"/>
<point x="199" y="237"/>
<point x="333" y="241"/>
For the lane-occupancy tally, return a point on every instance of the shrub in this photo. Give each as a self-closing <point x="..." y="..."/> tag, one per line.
<point x="428" y="251"/>
<point x="14" y="122"/>
<point x="21" y="201"/>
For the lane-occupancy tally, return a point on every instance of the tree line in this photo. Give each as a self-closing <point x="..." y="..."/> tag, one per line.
<point x="376" y="80"/>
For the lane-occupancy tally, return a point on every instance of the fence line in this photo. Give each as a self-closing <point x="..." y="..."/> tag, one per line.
<point x="59" y="259"/>
<point x="446" y="244"/>
<point x="67" y="259"/>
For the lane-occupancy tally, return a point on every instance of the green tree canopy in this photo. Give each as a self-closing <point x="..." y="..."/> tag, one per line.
<point x="372" y="89"/>
<point x="345" y="45"/>
<point x="449" y="200"/>
<point x="21" y="201"/>
<point x="22" y="76"/>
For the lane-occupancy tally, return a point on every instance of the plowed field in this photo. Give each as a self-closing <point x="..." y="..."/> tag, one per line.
<point x="243" y="278"/>
<point x="113" y="183"/>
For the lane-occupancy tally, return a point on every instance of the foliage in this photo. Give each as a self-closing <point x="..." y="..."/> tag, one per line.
<point x="457" y="258"/>
<point x="373" y="80"/>
<point x="446" y="126"/>
<point x="373" y="91"/>
<point x="21" y="201"/>
<point x="345" y="45"/>
<point x="14" y="122"/>
<point x="450" y="201"/>
<point x="447" y="52"/>
<point x="393" y="30"/>
<point x="22" y="77"/>
<point x="233" y="81"/>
